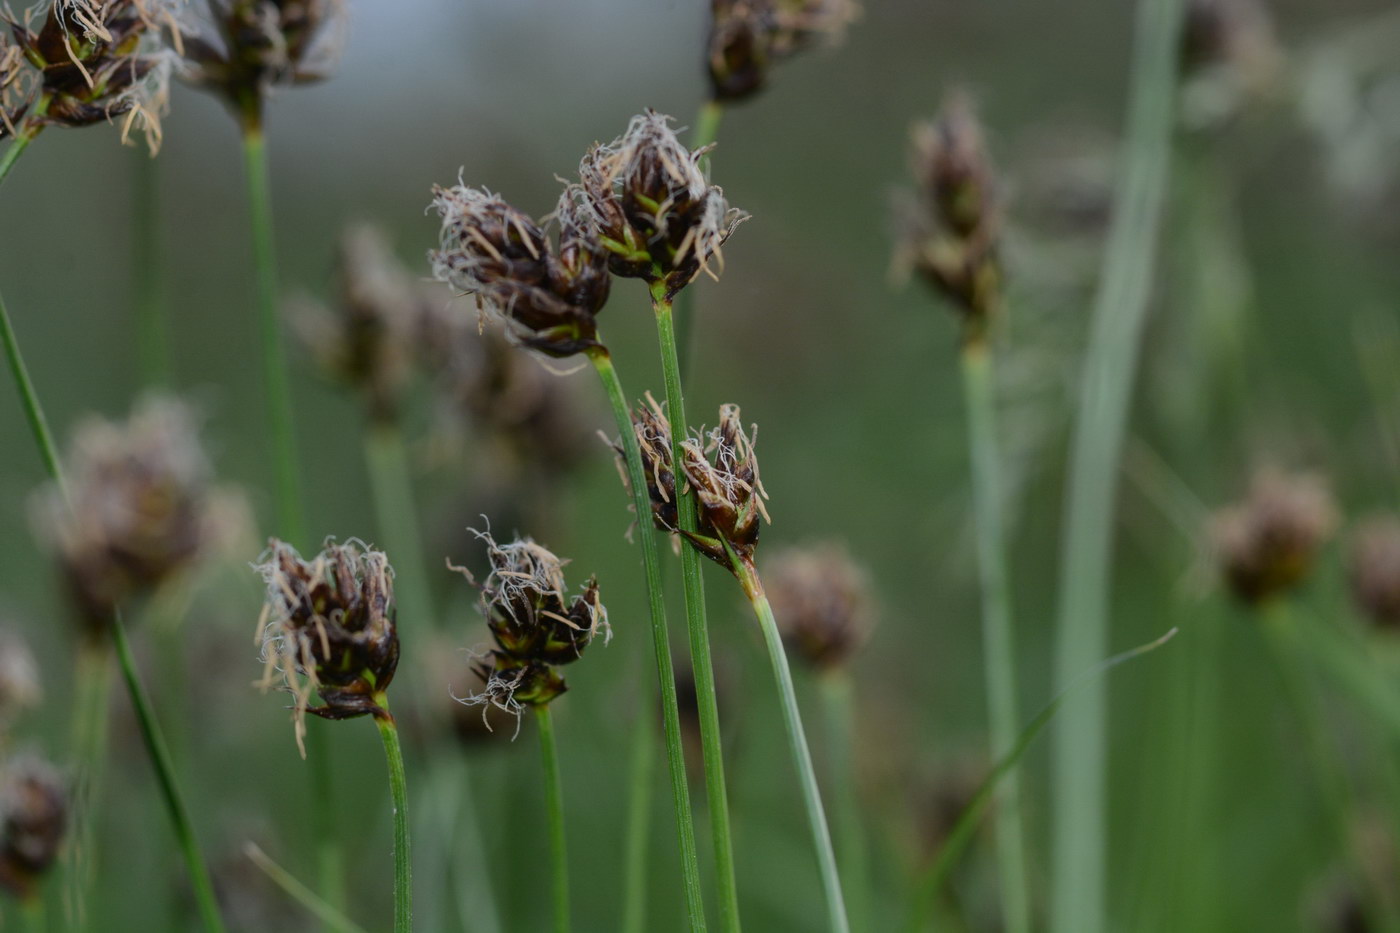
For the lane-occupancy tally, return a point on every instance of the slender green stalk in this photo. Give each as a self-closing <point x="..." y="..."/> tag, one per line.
<point x="635" y="856"/>
<point x="661" y="642"/>
<point x="701" y="662"/>
<point x="398" y="793"/>
<point x="396" y="515"/>
<point x="152" y="322"/>
<point x="469" y="861"/>
<point x="839" y="706"/>
<point x="29" y="400"/>
<point x="300" y="892"/>
<point x="927" y="887"/>
<point x="33" y="917"/>
<point x="554" y="805"/>
<point x="21" y="142"/>
<point x="797" y="742"/>
<point x="1079" y="858"/>
<point x="165" y="775"/>
<point x="998" y="636"/>
<point x="706" y="129"/>
<point x="290" y="523"/>
<point x="93" y="686"/>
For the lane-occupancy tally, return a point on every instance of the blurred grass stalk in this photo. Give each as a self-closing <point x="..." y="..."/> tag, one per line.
<point x="640" y="772"/>
<point x="1079" y="858"/>
<point x="152" y="319"/>
<point x="693" y="586"/>
<point x="838" y="704"/>
<point x="661" y="641"/>
<point x="554" y="807"/>
<point x="396" y="515"/>
<point x="998" y="636"/>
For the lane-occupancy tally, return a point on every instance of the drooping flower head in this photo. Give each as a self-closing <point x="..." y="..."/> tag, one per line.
<point x="1268" y="543"/>
<point x="547" y="300"/>
<point x="258" y="45"/>
<point x="748" y="36"/>
<point x="33" y="822"/>
<point x="536" y="626"/>
<point x="328" y="625"/>
<point x="821" y="599"/>
<point x="659" y="217"/>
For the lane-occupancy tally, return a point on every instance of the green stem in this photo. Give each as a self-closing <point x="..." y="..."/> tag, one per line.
<point x="396" y="515"/>
<point x="701" y="663"/>
<point x="661" y="642"/>
<point x="165" y="776"/>
<point x="93" y="677"/>
<point x="635" y="856"/>
<point x="797" y="743"/>
<point x="29" y="400"/>
<point x="554" y="804"/>
<point x="839" y="706"/>
<point x="706" y="129"/>
<point x="290" y="524"/>
<point x="1079" y="857"/>
<point x="398" y="793"/>
<point x="152" y="323"/>
<point x="300" y="892"/>
<point x="24" y="137"/>
<point x="998" y="637"/>
<point x="33" y="917"/>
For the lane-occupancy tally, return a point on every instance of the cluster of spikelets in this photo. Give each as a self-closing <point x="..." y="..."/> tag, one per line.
<point x="748" y="36"/>
<point x="34" y="797"/>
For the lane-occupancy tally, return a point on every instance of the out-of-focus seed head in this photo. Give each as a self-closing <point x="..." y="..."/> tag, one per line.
<point x="329" y="625"/>
<point x="141" y="506"/>
<point x="658" y="215"/>
<point x="19" y="677"/>
<point x="534" y="623"/>
<point x="258" y="45"/>
<point x="96" y="60"/>
<point x="1267" y="544"/>
<point x="951" y="230"/>
<point x="1229" y="55"/>
<point x="748" y="36"/>
<point x="822" y="602"/>
<point x="366" y="338"/>
<point x="722" y="470"/>
<point x="502" y="256"/>
<point x="1375" y="570"/>
<point x="33" y="821"/>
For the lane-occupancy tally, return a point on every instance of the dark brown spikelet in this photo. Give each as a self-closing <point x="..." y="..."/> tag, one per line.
<point x="142" y="508"/>
<point x="258" y="45"/>
<point x="1268" y="543"/>
<point x="1375" y="570"/>
<point x="748" y="36"/>
<point x="548" y="301"/>
<point x="536" y="626"/>
<point x="94" y="61"/>
<point x="822" y="602"/>
<point x="33" y="821"/>
<point x="722" y="470"/>
<point x="952" y="228"/>
<point x="329" y="625"/>
<point x="653" y="432"/>
<point x="658" y="215"/>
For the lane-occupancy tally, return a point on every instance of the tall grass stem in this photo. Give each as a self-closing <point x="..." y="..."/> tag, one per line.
<point x="640" y="774"/>
<point x="300" y="892"/>
<point x="1080" y="794"/>
<point x="554" y="806"/>
<point x="396" y="514"/>
<point x="398" y="794"/>
<point x="838" y="705"/>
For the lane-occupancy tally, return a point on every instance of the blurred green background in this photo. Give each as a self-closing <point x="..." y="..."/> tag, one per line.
<point x="1278" y="269"/>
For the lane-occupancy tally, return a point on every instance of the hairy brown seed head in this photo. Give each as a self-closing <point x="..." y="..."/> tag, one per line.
<point x="822" y="602"/>
<point x="722" y="469"/>
<point x="329" y="625"/>
<point x="1375" y="570"/>
<point x="653" y="431"/>
<point x="1267" y="543"/>
<point x="33" y="821"/>
<point x="748" y="36"/>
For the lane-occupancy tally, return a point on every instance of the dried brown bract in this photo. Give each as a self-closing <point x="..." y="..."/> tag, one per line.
<point x="535" y="624"/>
<point x="653" y="432"/>
<point x="258" y="45"/>
<point x="1375" y="570"/>
<point x="329" y="625"/>
<point x="94" y="60"/>
<point x="748" y="36"/>
<point x="19" y="678"/>
<point x="658" y="215"/>
<point x="548" y="300"/>
<point x="722" y="470"/>
<point x="822" y="602"/>
<point x="951" y="229"/>
<point x="1267" y="543"/>
<point x="33" y="821"/>
<point x="141" y="506"/>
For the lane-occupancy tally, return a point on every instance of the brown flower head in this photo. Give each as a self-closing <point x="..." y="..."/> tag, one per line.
<point x="329" y="625"/>
<point x="748" y="36"/>
<point x="93" y="61"/>
<point x="535" y="625"/>
<point x="547" y="301"/>
<point x="142" y="508"/>
<point x="365" y="340"/>
<point x="822" y="602"/>
<point x="33" y="820"/>
<point x="1375" y="570"/>
<point x="19" y="677"/>
<point x="1267" y="543"/>
<point x="722" y="470"/>
<point x="1229" y="56"/>
<point x="258" y="45"/>
<point x="653" y="432"/>
<point x="952" y="227"/>
<point x="658" y="215"/>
